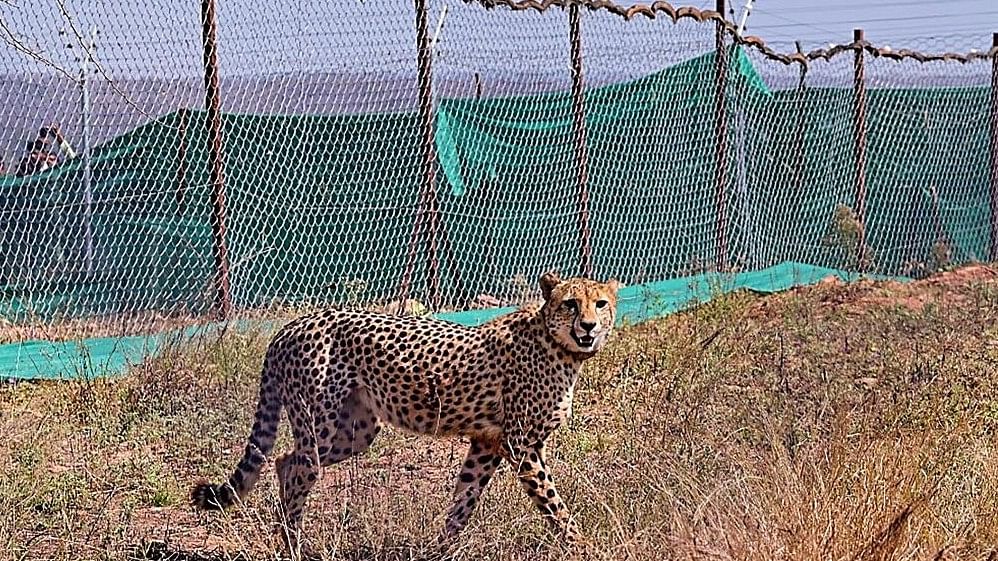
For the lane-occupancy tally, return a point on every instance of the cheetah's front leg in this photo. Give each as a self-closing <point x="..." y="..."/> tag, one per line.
<point x="480" y="464"/>
<point x="536" y="480"/>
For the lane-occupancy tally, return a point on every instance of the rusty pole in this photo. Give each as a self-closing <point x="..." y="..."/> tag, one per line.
<point x="721" y="138"/>
<point x="994" y="147"/>
<point x="213" y="104"/>
<point x="859" y="137"/>
<point x="429" y="213"/>
<point x="581" y="150"/>
<point x="799" y="134"/>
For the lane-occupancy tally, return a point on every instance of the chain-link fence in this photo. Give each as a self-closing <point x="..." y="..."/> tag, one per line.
<point x="354" y="153"/>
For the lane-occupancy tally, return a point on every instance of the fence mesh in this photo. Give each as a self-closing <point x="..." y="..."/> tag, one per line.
<point x="326" y="198"/>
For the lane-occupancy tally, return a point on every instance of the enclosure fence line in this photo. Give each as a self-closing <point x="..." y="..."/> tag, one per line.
<point x="453" y="197"/>
<point x="725" y="29"/>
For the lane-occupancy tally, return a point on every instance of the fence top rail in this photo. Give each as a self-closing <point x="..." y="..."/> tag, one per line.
<point x="689" y="12"/>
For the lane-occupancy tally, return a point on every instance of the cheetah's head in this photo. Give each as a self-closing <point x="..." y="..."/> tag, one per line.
<point x="579" y="313"/>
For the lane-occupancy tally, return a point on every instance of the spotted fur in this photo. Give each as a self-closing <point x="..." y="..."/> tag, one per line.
<point x="505" y="385"/>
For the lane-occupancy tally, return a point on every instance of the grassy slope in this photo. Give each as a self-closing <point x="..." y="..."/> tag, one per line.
<point x="832" y="422"/>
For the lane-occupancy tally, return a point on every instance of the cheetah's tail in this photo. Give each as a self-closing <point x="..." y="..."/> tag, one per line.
<point x="209" y="496"/>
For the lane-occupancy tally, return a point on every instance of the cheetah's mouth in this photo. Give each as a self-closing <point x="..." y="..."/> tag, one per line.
<point x="584" y="341"/>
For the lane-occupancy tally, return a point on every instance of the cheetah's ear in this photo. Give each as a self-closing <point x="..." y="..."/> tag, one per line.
<point x="614" y="285"/>
<point x="549" y="280"/>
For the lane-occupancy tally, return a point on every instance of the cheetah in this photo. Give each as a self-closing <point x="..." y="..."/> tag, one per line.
<point x="505" y="385"/>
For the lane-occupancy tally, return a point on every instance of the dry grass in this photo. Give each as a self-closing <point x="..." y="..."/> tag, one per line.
<point x="834" y="422"/>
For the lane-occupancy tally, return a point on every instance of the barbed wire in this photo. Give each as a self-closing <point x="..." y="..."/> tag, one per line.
<point x="654" y="9"/>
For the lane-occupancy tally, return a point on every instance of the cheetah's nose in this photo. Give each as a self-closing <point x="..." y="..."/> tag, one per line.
<point x="587" y="326"/>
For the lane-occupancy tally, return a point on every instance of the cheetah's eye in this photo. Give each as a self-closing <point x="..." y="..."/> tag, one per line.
<point x="601" y="303"/>
<point x="571" y="305"/>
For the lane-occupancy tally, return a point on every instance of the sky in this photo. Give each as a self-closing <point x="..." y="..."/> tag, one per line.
<point x="162" y="37"/>
<point x="321" y="56"/>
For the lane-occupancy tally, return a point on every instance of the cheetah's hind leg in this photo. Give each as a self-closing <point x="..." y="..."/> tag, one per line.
<point x="320" y="440"/>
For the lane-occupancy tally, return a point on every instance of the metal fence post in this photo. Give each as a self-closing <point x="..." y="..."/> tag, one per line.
<point x="428" y="212"/>
<point x="799" y="134"/>
<point x="859" y="138"/>
<point x="581" y="150"/>
<point x="213" y="105"/>
<point x="994" y="147"/>
<point x="721" y="139"/>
